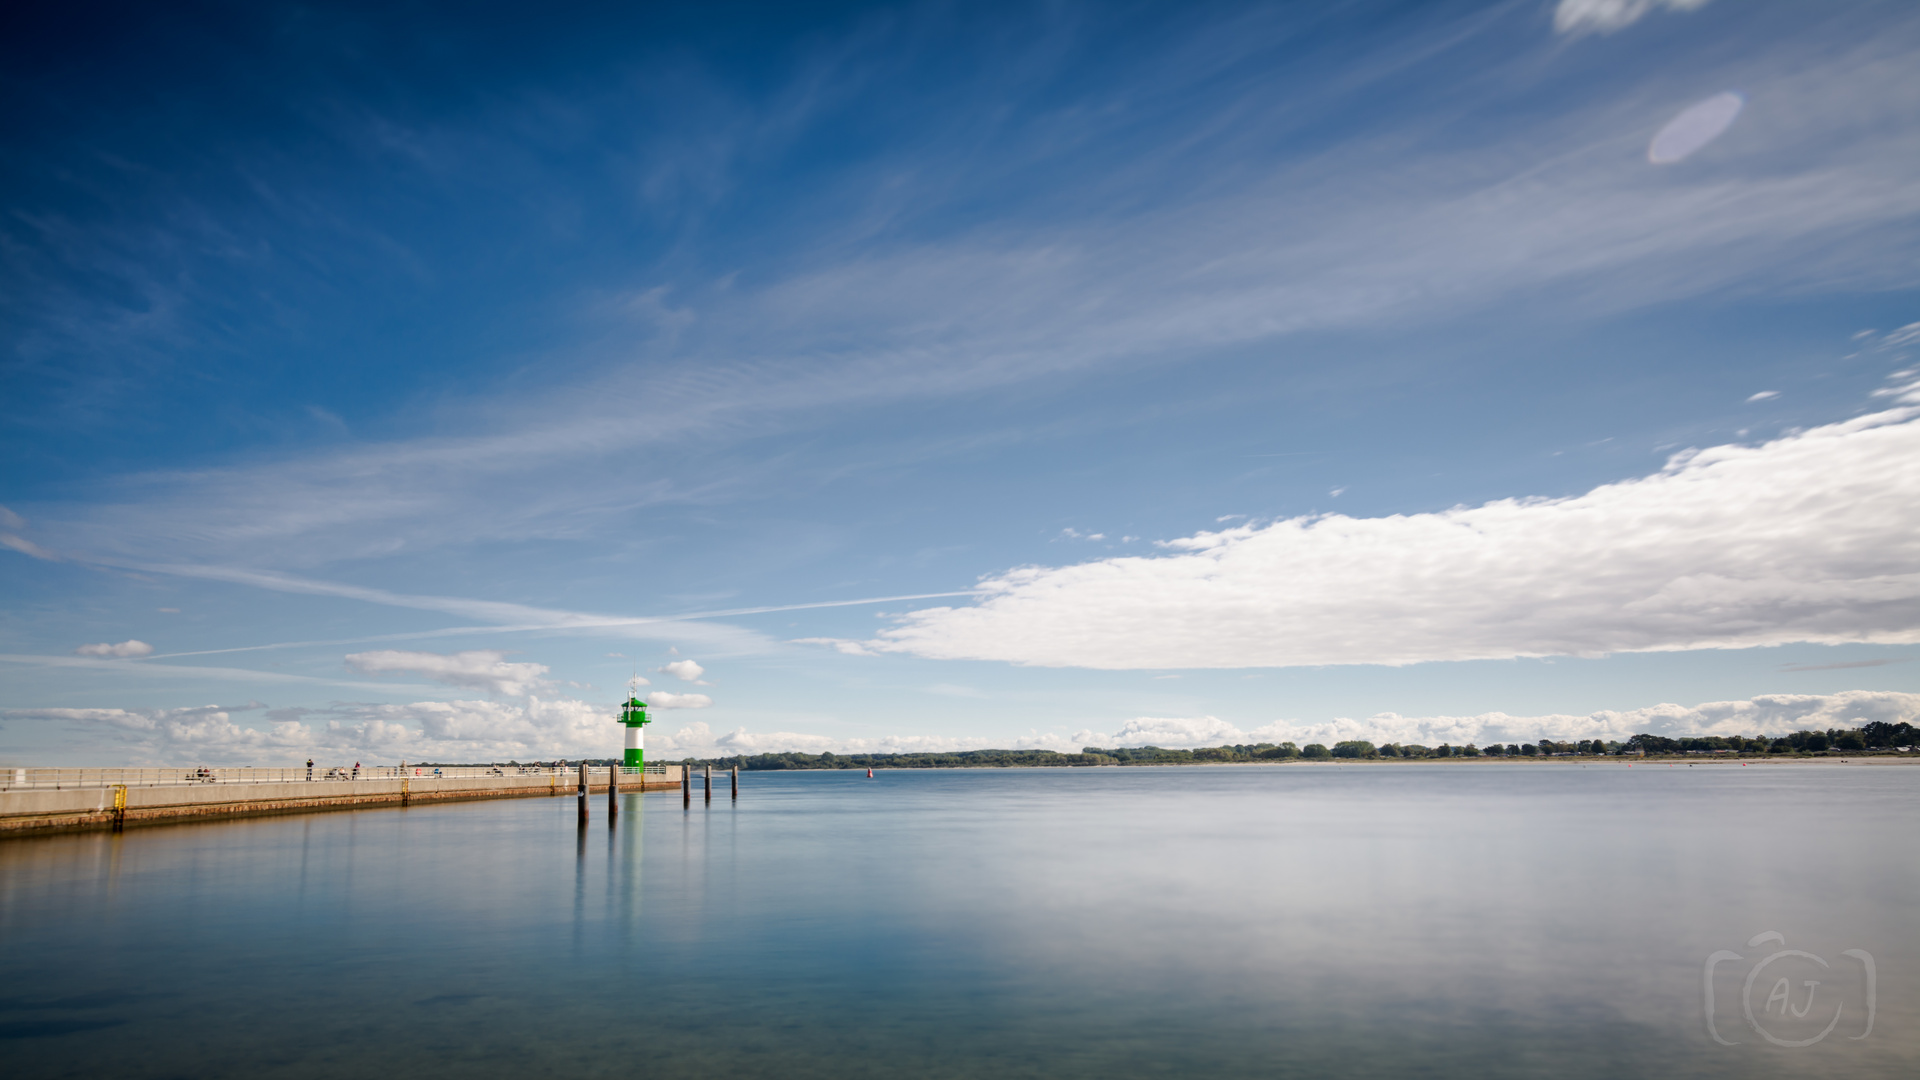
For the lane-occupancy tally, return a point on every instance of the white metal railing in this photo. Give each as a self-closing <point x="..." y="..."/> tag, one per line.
<point x="50" y="779"/>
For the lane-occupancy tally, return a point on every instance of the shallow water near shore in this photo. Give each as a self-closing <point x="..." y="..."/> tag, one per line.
<point x="1433" y="920"/>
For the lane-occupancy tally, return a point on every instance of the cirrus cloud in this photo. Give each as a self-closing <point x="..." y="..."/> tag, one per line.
<point x="1606" y="16"/>
<point x="1813" y="537"/>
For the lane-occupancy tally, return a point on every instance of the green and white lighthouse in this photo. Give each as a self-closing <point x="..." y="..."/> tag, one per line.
<point x="634" y="715"/>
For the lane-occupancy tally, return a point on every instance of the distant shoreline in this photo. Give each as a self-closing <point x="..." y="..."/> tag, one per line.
<point x="1777" y="759"/>
<point x="1669" y="759"/>
<point x="1611" y="762"/>
<point x="1876" y="740"/>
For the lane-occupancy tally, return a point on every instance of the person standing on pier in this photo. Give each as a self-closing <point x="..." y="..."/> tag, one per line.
<point x="309" y="768"/>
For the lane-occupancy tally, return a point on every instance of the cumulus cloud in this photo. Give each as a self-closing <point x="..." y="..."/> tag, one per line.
<point x="123" y="649"/>
<point x="1772" y="714"/>
<point x="475" y="669"/>
<point x="1812" y="537"/>
<point x="199" y="734"/>
<point x="478" y="730"/>
<point x="694" y="734"/>
<point x="1171" y="732"/>
<point x="1606" y="16"/>
<point x="740" y="741"/>
<point x="685" y="671"/>
<point x="543" y="729"/>
<point x="421" y="731"/>
<point x="662" y="699"/>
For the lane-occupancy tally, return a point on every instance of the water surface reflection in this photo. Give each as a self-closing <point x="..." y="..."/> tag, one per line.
<point x="1472" y="920"/>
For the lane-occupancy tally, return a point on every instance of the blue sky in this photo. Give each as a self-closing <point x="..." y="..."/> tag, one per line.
<point x="397" y="383"/>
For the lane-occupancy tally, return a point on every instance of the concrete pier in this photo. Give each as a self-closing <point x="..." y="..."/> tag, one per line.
<point x="28" y="809"/>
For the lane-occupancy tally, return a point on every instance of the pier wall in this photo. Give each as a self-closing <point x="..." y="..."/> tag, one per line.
<point x="28" y="811"/>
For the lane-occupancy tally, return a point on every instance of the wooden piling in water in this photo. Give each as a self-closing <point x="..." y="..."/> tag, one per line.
<point x="613" y="791"/>
<point x="709" y="783"/>
<point x="686" y="785"/>
<point x="583" y="791"/>
<point x="736" y="781"/>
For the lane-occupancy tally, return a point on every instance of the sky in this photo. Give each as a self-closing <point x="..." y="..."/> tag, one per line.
<point x="406" y="382"/>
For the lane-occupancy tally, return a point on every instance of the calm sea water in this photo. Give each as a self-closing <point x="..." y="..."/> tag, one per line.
<point x="1415" y="920"/>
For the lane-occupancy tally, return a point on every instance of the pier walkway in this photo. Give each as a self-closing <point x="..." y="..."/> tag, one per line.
<point x="57" y="800"/>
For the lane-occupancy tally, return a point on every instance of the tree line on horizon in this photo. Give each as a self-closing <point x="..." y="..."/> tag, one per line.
<point x="1876" y="736"/>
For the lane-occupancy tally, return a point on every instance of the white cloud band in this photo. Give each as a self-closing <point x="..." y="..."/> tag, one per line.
<point x="1813" y="537"/>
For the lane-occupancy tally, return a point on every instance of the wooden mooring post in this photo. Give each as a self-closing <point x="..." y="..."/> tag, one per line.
<point x="709" y="783"/>
<point x="613" y="791"/>
<point x="583" y="793"/>
<point x="736" y="782"/>
<point x="686" y="785"/>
